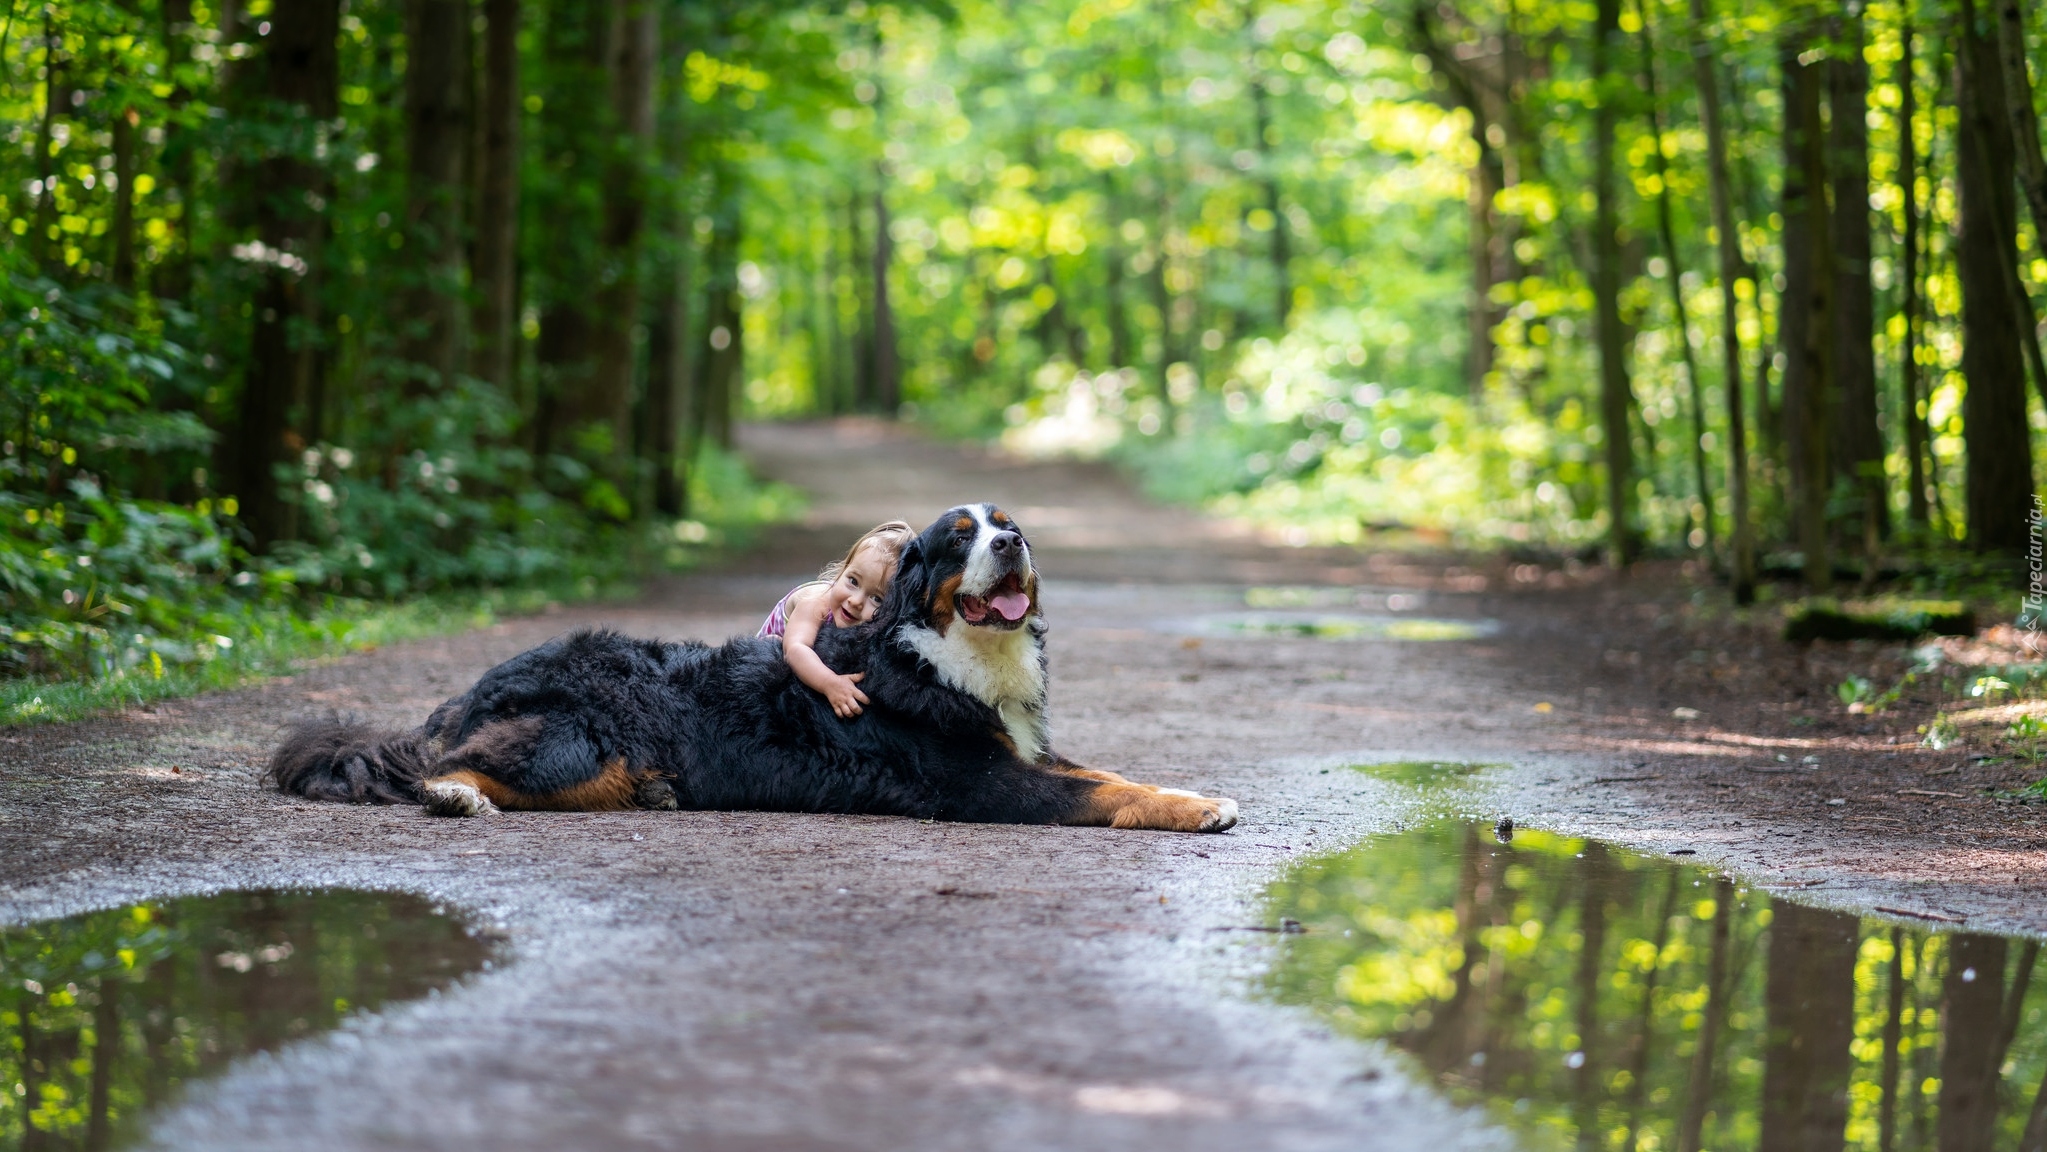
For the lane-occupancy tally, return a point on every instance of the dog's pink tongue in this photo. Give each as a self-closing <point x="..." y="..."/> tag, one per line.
<point x="1012" y="605"/>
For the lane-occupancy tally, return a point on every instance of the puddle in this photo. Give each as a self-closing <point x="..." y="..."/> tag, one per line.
<point x="1421" y="773"/>
<point x="1294" y="596"/>
<point x="103" y="1016"/>
<point x="1334" y="626"/>
<point x="1587" y="996"/>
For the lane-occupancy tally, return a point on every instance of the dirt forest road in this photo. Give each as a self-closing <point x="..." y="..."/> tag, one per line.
<point x="711" y="980"/>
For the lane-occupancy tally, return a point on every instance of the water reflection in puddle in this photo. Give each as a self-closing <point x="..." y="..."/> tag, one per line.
<point x="1335" y="626"/>
<point x="105" y="1014"/>
<point x="1422" y="773"/>
<point x="1593" y="997"/>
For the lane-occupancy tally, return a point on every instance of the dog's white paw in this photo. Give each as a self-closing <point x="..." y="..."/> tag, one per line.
<point x="447" y="798"/>
<point x="1224" y="816"/>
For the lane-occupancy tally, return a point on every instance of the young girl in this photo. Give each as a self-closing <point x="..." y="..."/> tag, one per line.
<point x="846" y="593"/>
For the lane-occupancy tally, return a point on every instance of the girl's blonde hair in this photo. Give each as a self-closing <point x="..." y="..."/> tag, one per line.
<point x="891" y="536"/>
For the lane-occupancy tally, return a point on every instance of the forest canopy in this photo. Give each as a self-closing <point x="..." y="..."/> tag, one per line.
<point x="375" y="297"/>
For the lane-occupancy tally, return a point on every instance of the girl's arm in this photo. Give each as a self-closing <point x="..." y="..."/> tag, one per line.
<point x="806" y="616"/>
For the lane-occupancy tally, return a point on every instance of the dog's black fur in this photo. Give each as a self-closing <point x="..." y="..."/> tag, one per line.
<point x="595" y="719"/>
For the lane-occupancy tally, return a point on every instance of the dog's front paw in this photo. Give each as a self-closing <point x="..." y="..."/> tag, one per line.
<point x="1162" y="809"/>
<point x="1222" y="817"/>
<point x="449" y="798"/>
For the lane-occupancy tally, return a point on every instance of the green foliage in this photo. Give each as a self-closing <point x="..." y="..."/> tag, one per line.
<point x="1882" y="618"/>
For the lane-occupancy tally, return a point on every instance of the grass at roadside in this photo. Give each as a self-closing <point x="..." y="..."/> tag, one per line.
<point x="243" y="641"/>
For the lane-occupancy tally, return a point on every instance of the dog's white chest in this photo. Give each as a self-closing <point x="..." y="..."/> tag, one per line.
<point x="1000" y="669"/>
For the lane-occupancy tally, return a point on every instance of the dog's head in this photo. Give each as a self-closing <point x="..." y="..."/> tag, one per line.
<point x="971" y="567"/>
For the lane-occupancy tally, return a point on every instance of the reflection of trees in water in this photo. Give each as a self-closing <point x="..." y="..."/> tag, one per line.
<point x="1809" y="1012"/>
<point x="1601" y="999"/>
<point x="106" y="1013"/>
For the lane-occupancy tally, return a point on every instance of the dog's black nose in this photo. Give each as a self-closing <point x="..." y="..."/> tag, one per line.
<point x="1004" y="543"/>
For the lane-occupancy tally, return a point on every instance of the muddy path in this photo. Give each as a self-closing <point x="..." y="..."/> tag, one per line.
<point x="760" y="980"/>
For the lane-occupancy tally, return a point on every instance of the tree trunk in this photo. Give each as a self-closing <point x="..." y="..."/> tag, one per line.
<point x="437" y="139"/>
<point x="1809" y="1001"/>
<point x="1615" y="394"/>
<point x="1116" y="310"/>
<point x="722" y="359"/>
<point x="2020" y="113"/>
<point x="1706" y="76"/>
<point x="666" y="393"/>
<point x="1908" y="303"/>
<point x="577" y="43"/>
<point x="887" y="371"/>
<point x="171" y="278"/>
<point x="1805" y="327"/>
<point x="40" y="243"/>
<point x="122" y="270"/>
<point x="862" y="342"/>
<point x="1971" y="1013"/>
<point x="1674" y="278"/>
<point x="1280" y="246"/>
<point x="299" y="71"/>
<point x="605" y="400"/>
<point x="1487" y="178"/>
<point x="2000" y="474"/>
<point x="494" y="272"/>
<point x="1857" y="450"/>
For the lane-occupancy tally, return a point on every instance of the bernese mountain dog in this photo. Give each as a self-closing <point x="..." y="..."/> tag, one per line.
<point x="595" y="721"/>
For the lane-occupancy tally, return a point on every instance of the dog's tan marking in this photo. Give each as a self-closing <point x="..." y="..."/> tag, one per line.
<point x="1000" y="518"/>
<point x="942" y="604"/>
<point x="610" y="791"/>
<point x="1127" y="805"/>
<point x="963" y="524"/>
<point x="1068" y="768"/>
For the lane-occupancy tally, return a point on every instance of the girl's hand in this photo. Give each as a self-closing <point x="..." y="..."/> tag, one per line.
<point x="845" y="698"/>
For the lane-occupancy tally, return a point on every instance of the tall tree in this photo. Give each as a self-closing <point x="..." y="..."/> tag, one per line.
<point x="722" y="359"/>
<point x="886" y="371"/>
<point x="605" y="400"/>
<point x="2023" y="118"/>
<point x="121" y="270"/>
<point x="299" y="88"/>
<point x="1857" y="450"/>
<point x="171" y="278"/>
<point x="494" y="270"/>
<point x="1279" y="248"/>
<point x="2000" y="471"/>
<point x="1910" y="283"/>
<point x="437" y="136"/>
<point x="1674" y="279"/>
<point x="1615" y="393"/>
<point x="1806" y="309"/>
<point x="1706" y="76"/>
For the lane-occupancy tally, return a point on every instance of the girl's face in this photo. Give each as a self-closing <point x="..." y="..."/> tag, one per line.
<point x="861" y="584"/>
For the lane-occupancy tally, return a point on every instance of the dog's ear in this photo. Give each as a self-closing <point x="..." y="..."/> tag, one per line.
<point x="910" y="588"/>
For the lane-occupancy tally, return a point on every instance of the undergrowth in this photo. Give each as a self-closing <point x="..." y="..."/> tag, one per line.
<point x="111" y="602"/>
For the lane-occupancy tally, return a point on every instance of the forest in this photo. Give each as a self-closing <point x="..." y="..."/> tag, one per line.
<point x="336" y="302"/>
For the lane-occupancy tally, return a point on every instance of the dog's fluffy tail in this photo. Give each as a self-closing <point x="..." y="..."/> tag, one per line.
<point x="349" y="762"/>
